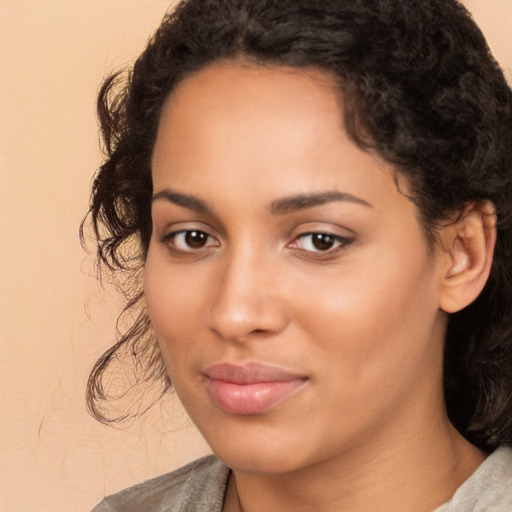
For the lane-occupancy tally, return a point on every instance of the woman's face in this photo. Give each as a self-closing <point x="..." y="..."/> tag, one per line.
<point x="288" y="280"/>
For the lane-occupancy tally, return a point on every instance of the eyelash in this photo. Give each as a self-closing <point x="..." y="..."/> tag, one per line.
<point x="339" y="242"/>
<point x="170" y="240"/>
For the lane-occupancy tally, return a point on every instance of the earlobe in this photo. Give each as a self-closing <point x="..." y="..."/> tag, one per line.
<point x="469" y="246"/>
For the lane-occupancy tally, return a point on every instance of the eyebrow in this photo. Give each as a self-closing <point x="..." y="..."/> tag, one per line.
<point x="184" y="200"/>
<point x="277" y="207"/>
<point x="304" y="201"/>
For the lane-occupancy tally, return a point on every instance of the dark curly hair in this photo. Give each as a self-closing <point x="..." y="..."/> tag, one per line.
<point x="420" y="88"/>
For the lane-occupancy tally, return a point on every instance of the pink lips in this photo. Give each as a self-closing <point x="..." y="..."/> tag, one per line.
<point x="252" y="388"/>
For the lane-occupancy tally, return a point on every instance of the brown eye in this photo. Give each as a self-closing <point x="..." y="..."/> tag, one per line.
<point x="190" y="240"/>
<point x="196" y="239"/>
<point x="322" y="241"/>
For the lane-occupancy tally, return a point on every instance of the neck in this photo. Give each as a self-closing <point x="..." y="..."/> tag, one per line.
<point x="416" y="472"/>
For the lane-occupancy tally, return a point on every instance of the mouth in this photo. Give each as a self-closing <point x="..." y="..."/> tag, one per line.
<point x="251" y="388"/>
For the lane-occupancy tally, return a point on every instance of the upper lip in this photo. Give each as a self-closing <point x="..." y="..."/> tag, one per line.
<point x="250" y="373"/>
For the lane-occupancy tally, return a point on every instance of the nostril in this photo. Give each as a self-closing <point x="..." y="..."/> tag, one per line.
<point x="241" y="310"/>
<point x="261" y="333"/>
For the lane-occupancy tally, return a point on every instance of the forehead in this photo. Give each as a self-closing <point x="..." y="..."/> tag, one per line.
<point x="231" y="111"/>
<point x="242" y="79"/>
<point x="249" y="100"/>
<point x="251" y="134"/>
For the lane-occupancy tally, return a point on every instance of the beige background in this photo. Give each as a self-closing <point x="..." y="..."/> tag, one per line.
<point x="54" y="320"/>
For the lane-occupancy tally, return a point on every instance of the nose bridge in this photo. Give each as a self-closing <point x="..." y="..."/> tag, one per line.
<point x="246" y="301"/>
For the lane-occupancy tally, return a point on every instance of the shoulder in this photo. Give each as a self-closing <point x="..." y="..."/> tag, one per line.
<point x="198" y="486"/>
<point x="488" y="489"/>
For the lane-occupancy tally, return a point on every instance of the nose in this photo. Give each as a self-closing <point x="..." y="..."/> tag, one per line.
<point x="247" y="303"/>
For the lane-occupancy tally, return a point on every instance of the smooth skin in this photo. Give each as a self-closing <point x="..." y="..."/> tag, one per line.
<point x="277" y="240"/>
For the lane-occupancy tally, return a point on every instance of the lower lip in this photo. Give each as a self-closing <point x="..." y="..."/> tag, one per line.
<point x="254" y="398"/>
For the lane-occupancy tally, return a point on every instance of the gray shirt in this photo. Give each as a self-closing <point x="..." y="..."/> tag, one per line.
<point x="201" y="485"/>
<point x="488" y="489"/>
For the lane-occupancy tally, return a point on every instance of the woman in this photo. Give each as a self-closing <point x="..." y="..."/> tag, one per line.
<point x="319" y="197"/>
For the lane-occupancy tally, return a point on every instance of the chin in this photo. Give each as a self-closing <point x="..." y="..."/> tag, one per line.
<point x="262" y="452"/>
<point x="258" y="462"/>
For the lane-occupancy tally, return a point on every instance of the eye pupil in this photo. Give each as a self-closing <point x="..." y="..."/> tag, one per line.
<point x="322" y="241"/>
<point x="196" y="239"/>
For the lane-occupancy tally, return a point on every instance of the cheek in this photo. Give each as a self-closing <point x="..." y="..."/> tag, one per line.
<point x="367" y="319"/>
<point x="175" y="304"/>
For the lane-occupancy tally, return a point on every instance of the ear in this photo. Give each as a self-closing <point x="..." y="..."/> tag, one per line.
<point x="468" y="245"/>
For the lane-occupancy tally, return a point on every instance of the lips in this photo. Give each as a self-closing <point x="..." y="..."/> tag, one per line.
<point x="251" y="388"/>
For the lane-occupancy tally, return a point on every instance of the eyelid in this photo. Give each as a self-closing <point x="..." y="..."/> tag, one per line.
<point x="167" y="228"/>
<point x="341" y="242"/>
<point x="169" y="233"/>
<point x="177" y="234"/>
<point x="168" y="238"/>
